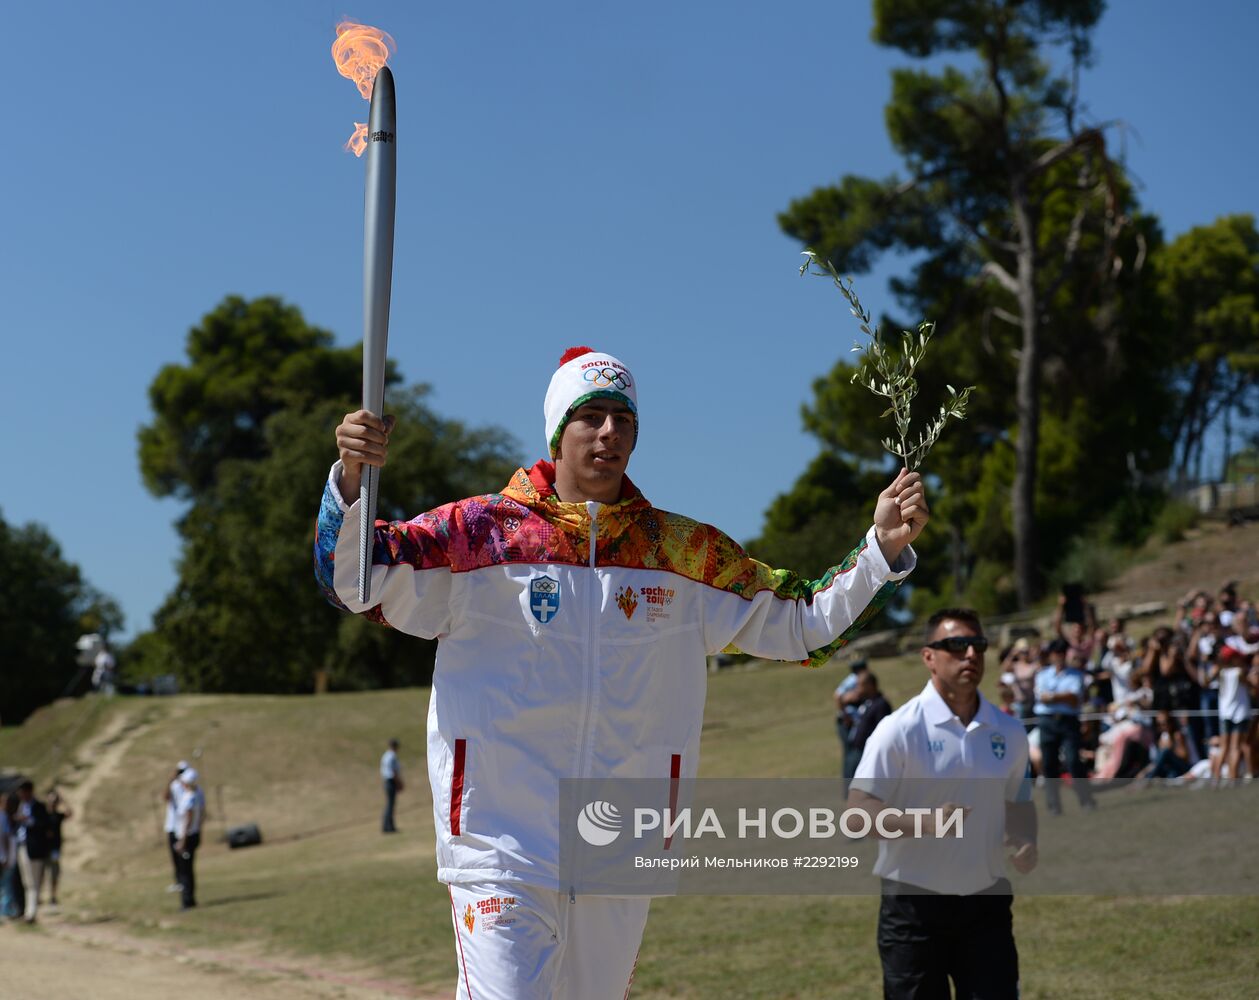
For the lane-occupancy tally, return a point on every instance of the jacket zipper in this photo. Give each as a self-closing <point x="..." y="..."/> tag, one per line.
<point x="592" y="665"/>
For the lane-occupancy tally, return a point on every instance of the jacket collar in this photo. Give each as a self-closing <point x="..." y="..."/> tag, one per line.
<point x="535" y="488"/>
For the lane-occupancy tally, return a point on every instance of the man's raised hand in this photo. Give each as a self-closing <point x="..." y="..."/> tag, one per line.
<point x="900" y="514"/>
<point x="362" y="439"/>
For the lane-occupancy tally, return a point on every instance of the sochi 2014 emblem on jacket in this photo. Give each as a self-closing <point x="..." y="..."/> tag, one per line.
<point x="544" y="598"/>
<point x="626" y="601"/>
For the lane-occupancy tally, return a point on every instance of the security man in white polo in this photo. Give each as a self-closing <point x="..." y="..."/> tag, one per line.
<point x="946" y="906"/>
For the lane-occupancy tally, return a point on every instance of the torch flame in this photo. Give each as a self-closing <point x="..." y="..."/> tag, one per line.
<point x="358" y="141"/>
<point x="359" y="52"/>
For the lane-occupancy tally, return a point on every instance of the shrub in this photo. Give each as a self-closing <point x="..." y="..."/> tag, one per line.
<point x="1174" y="520"/>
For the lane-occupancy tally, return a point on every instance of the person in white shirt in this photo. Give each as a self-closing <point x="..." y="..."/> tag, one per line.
<point x="170" y="795"/>
<point x="189" y="813"/>
<point x="1231" y="660"/>
<point x="946" y="904"/>
<point x="391" y="776"/>
<point x="103" y="672"/>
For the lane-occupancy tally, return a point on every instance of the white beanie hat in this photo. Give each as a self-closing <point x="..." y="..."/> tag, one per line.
<point x="585" y="374"/>
<point x="190" y="776"/>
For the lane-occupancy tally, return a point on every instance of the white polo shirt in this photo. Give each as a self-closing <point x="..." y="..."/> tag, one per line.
<point x="190" y="811"/>
<point x="172" y="805"/>
<point x="923" y="756"/>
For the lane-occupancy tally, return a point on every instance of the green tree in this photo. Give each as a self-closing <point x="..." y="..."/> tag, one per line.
<point x="47" y="606"/>
<point x="244" y="432"/>
<point x="1027" y="250"/>
<point x="1209" y="285"/>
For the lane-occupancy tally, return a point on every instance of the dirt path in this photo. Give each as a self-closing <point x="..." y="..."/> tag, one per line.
<point x="96" y="762"/>
<point x="61" y="961"/>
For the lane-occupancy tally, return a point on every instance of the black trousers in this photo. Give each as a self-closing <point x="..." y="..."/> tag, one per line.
<point x="391" y="795"/>
<point x="926" y="940"/>
<point x="174" y="858"/>
<point x="1060" y="738"/>
<point x="184" y="868"/>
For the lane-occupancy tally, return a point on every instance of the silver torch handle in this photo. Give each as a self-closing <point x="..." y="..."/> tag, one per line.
<point x="378" y="214"/>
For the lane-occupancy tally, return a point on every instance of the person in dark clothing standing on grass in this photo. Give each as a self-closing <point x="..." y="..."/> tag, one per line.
<point x="33" y="839"/>
<point x="58" y="813"/>
<point x="872" y="708"/>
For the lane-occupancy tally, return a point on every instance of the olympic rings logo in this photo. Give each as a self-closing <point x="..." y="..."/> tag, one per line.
<point x="604" y="377"/>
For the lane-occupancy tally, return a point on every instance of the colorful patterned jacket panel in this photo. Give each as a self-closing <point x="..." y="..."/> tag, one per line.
<point x="527" y="524"/>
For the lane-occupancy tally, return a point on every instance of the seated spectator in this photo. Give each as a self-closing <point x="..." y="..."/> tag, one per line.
<point x="1124" y="748"/>
<point x="1172" y="759"/>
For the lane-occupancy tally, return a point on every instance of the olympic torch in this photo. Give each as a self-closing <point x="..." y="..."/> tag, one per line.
<point x="378" y="215"/>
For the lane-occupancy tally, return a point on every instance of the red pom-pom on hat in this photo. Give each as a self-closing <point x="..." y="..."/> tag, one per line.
<point x="573" y="352"/>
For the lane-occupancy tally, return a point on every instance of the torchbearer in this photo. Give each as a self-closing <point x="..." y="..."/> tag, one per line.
<point x="574" y="620"/>
<point x="378" y="216"/>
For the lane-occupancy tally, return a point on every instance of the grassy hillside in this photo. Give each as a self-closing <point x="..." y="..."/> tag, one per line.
<point x="325" y="882"/>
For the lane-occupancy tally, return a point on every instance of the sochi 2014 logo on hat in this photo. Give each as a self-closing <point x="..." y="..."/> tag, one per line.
<point x="998" y="746"/>
<point x="544" y="598"/>
<point x="599" y="823"/>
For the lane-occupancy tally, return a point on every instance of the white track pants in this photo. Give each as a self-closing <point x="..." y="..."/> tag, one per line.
<point x="516" y="942"/>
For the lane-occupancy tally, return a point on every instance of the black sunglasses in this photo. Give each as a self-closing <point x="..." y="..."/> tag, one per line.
<point x="957" y="645"/>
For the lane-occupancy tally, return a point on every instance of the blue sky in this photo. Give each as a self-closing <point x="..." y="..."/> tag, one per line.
<point x="568" y="173"/>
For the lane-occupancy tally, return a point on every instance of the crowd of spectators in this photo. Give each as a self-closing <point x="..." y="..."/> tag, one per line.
<point x="1174" y="706"/>
<point x="30" y="851"/>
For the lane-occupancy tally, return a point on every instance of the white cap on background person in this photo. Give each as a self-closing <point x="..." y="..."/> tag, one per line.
<point x="189" y="776"/>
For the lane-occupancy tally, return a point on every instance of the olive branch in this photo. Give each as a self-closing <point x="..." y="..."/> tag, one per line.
<point x="889" y="372"/>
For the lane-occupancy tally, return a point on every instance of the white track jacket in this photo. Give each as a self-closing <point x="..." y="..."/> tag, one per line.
<point x="573" y="643"/>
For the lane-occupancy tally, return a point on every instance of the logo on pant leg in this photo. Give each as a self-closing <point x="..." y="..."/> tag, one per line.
<point x="496" y="911"/>
<point x="469" y="919"/>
